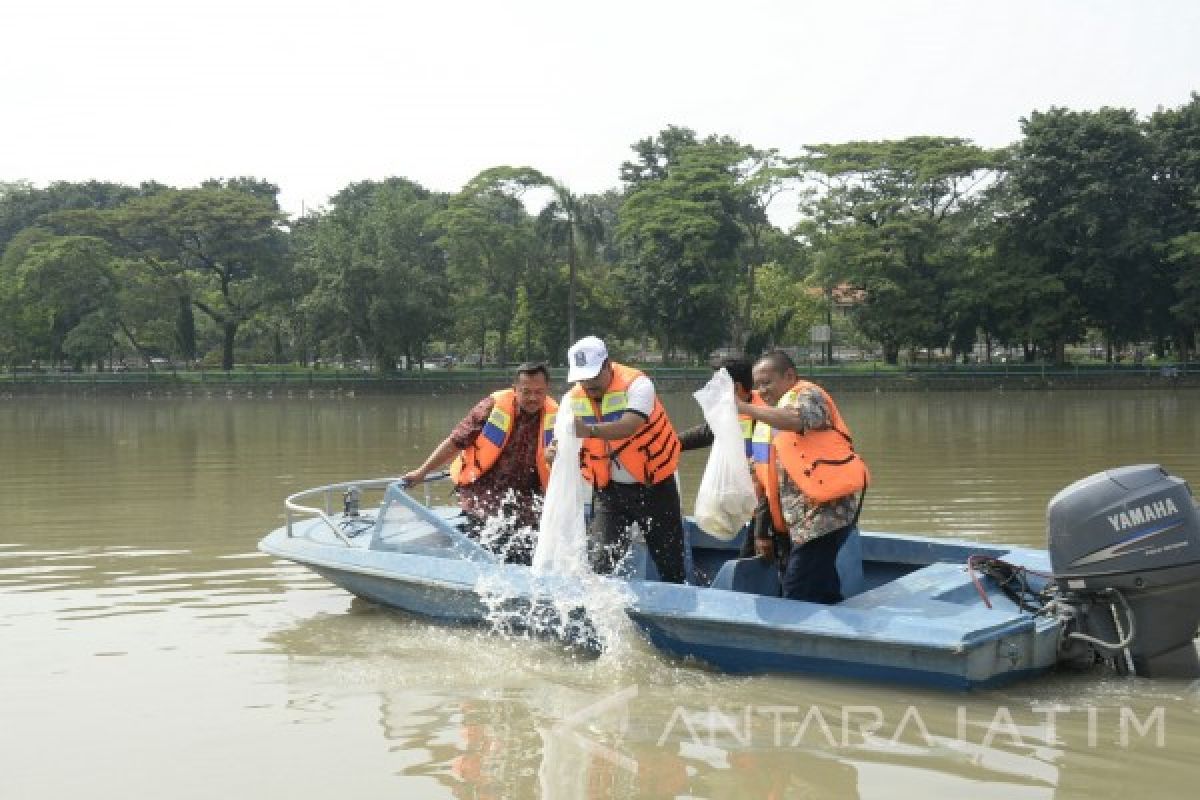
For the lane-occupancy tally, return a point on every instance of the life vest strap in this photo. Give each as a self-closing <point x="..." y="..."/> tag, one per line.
<point x="833" y="462"/>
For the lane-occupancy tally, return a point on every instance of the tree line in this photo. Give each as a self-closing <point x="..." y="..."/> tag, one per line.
<point x="1088" y="225"/>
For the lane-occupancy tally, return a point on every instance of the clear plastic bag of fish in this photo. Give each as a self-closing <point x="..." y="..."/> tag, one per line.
<point x="726" y="499"/>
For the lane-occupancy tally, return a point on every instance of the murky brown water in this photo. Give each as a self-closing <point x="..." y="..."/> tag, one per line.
<point x="147" y="649"/>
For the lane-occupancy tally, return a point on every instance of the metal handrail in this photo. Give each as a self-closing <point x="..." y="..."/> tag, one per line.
<point x="293" y="506"/>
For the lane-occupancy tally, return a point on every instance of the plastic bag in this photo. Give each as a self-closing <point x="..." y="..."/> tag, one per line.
<point x="562" y="538"/>
<point x="726" y="499"/>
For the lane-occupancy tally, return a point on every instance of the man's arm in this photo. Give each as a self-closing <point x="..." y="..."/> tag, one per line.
<point x="781" y="419"/>
<point x="809" y="413"/>
<point x="464" y="433"/>
<point x="442" y="455"/>
<point x="621" y="428"/>
<point x="696" y="438"/>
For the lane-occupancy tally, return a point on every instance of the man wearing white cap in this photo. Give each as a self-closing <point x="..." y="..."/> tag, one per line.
<point x="629" y="454"/>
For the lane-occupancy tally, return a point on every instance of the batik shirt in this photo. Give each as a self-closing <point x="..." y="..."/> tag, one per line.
<point x="806" y="521"/>
<point x="512" y="487"/>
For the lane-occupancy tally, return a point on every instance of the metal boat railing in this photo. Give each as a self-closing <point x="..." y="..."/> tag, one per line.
<point x="328" y="492"/>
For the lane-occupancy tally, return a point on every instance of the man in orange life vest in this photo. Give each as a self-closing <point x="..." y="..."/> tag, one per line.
<point x="500" y="467"/>
<point x="629" y="454"/>
<point x="813" y="480"/>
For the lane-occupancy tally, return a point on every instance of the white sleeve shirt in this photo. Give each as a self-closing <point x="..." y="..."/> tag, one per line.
<point x="639" y="398"/>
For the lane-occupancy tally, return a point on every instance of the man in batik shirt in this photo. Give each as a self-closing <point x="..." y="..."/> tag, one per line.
<point x="809" y="473"/>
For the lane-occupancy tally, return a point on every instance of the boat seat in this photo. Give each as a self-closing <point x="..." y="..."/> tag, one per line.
<point x="749" y="575"/>
<point x="850" y="564"/>
<point x="755" y="576"/>
<point x="923" y="587"/>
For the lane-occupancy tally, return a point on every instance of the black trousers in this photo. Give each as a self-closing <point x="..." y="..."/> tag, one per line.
<point x="811" y="572"/>
<point x="655" y="510"/>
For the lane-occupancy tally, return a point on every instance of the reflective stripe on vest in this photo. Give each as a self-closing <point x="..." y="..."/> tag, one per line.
<point x="748" y="427"/>
<point x="747" y="433"/>
<point x="650" y="455"/>
<point x="612" y="406"/>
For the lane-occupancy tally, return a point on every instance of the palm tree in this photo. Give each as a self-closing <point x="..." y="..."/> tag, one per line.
<point x="581" y="229"/>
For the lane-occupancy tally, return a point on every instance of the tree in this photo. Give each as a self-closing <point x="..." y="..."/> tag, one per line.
<point x="888" y="218"/>
<point x="220" y="250"/>
<point x="65" y="288"/>
<point x="1184" y="253"/>
<point x="489" y="240"/>
<point x="783" y="308"/>
<point x="1084" y="184"/>
<point x="761" y="176"/>
<point x="1174" y="137"/>
<point x="679" y="227"/>
<point x="23" y="205"/>
<point x="656" y="155"/>
<point x="377" y="273"/>
<point x="580" y="232"/>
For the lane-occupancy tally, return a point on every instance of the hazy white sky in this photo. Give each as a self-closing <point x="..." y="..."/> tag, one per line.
<point x="314" y="95"/>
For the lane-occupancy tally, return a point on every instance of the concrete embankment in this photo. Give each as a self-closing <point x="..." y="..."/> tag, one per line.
<point x="267" y="383"/>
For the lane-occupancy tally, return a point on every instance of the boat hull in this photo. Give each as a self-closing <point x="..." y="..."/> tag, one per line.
<point x="866" y="645"/>
<point x="918" y="620"/>
<point x="444" y="590"/>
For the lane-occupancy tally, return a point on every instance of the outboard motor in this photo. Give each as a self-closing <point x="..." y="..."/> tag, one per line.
<point x="1125" y="551"/>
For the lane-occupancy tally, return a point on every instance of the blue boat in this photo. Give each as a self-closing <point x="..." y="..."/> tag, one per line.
<point x="1118" y="586"/>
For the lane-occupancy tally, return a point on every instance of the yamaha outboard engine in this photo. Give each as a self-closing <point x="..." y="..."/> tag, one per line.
<point x="1125" y="551"/>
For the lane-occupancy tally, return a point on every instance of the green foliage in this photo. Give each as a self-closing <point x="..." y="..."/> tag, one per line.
<point x="1184" y="254"/>
<point x="680" y="229"/>
<point x="22" y="205"/>
<point x="1175" y="139"/>
<point x="574" y="225"/>
<point x="223" y="249"/>
<point x="490" y="244"/>
<point x="1090" y="223"/>
<point x="785" y="307"/>
<point x="63" y="293"/>
<point x="891" y="218"/>
<point x="1084" y="180"/>
<point x="377" y="272"/>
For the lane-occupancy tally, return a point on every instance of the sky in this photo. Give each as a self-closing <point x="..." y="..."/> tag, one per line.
<point x="316" y="95"/>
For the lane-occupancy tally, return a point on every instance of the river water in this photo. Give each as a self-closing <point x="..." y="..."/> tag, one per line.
<point x="148" y="649"/>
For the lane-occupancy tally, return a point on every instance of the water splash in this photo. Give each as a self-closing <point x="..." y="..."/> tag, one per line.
<point x="501" y="533"/>
<point x="559" y="595"/>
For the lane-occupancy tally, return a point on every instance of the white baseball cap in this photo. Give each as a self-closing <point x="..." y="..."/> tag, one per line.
<point x="585" y="358"/>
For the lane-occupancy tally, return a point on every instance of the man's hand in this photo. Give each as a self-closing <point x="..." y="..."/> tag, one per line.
<point x="764" y="548"/>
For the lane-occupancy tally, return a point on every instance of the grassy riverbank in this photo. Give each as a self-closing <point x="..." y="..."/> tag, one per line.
<point x="850" y="377"/>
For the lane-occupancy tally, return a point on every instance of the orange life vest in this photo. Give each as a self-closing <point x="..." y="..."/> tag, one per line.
<point x="650" y="455"/>
<point x="822" y="463"/>
<point x="482" y="454"/>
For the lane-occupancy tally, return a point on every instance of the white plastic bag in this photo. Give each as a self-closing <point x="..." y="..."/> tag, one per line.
<point x="562" y="533"/>
<point x="726" y="499"/>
